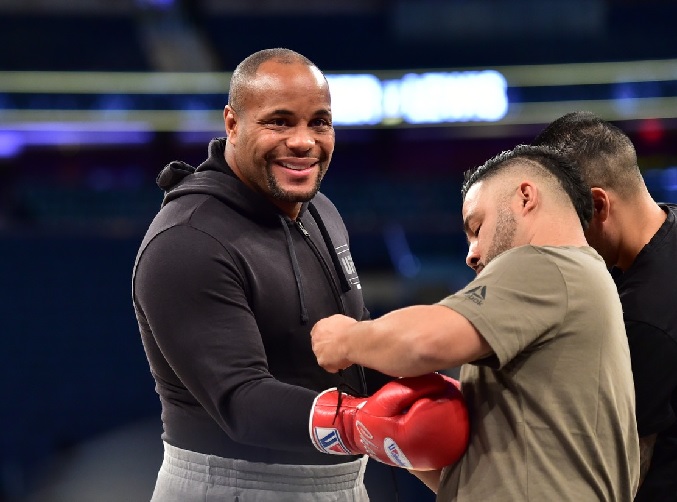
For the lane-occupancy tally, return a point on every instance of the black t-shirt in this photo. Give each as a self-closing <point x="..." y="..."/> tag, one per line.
<point x="648" y="292"/>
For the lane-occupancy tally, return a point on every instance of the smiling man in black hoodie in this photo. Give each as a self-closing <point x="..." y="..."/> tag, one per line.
<point x="243" y="258"/>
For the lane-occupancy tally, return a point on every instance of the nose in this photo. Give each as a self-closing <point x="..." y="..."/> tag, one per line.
<point x="301" y="139"/>
<point x="472" y="259"/>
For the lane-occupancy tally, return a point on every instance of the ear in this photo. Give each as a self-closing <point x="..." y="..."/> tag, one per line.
<point x="230" y="120"/>
<point x="529" y="196"/>
<point x="600" y="203"/>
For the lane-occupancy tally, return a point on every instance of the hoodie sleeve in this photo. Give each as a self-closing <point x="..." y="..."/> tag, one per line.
<point x="205" y="338"/>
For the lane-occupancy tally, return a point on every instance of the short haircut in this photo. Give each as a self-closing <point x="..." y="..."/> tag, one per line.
<point x="245" y="72"/>
<point x="604" y="153"/>
<point x="550" y="164"/>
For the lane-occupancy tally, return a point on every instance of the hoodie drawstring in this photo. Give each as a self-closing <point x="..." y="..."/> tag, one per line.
<point x="296" y="269"/>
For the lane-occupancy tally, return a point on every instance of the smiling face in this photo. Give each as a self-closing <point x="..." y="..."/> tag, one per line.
<point x="489" y="223"/>
<point x="281" y="141"/>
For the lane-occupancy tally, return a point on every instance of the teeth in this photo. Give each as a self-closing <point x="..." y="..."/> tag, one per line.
<point x="295" y="167"/>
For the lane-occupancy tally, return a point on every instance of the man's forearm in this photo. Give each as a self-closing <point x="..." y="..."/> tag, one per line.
<point x="410" y="341"/>
<point x="415" y="340"/>
<point x="400" y="343"/>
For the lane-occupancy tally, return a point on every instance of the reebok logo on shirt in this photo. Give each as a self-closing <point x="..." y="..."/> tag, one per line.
<point x="477" y="294"/>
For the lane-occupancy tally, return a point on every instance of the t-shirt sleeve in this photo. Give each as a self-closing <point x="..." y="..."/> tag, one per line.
<point x="653" y="355"/>
<point x="517" y="301"/>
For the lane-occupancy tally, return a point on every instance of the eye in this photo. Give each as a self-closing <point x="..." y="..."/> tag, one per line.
<point x="477" y="231"/>
<point x="320" y="123"/>
<point x="278" y="122"/>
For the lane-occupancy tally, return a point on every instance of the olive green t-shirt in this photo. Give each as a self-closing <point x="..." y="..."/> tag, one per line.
<point x="553" y="410"/>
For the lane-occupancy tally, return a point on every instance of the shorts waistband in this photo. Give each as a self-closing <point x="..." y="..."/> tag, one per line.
<point x="244" y="474"/>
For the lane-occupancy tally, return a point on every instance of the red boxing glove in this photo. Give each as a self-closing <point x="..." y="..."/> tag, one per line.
<point x="417" y="423"/>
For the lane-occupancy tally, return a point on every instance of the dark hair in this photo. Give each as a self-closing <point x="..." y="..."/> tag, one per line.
<point x="603" y="152"/>
<point x="549" y="161"/>
<point x="246" y="70"/>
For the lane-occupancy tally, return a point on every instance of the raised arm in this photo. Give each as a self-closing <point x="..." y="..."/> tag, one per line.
<point x="406" y="342"/>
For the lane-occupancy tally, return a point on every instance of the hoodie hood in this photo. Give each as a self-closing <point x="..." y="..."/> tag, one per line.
<point x="215" y="177"/>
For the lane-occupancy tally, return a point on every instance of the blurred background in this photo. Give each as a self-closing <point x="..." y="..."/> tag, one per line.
<point x="97" y="95"/>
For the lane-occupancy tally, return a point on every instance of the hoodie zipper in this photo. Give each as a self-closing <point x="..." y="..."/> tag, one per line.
<point x="325" y="267"/>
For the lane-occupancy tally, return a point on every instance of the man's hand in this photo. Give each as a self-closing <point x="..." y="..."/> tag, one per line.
<point x="327" y="338"/>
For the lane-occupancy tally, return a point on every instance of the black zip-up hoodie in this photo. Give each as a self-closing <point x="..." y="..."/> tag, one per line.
<point x="226" y="289"/>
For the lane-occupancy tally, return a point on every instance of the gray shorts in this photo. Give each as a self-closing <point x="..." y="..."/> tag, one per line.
<point x="186" y="476"/>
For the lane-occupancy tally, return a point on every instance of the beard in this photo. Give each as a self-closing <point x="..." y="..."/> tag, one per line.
<point x="280" y="193"/>
<point x="506" y="226"/>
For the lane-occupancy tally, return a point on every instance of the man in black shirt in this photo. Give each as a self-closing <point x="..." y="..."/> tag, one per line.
<point x="637" y="238"/>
